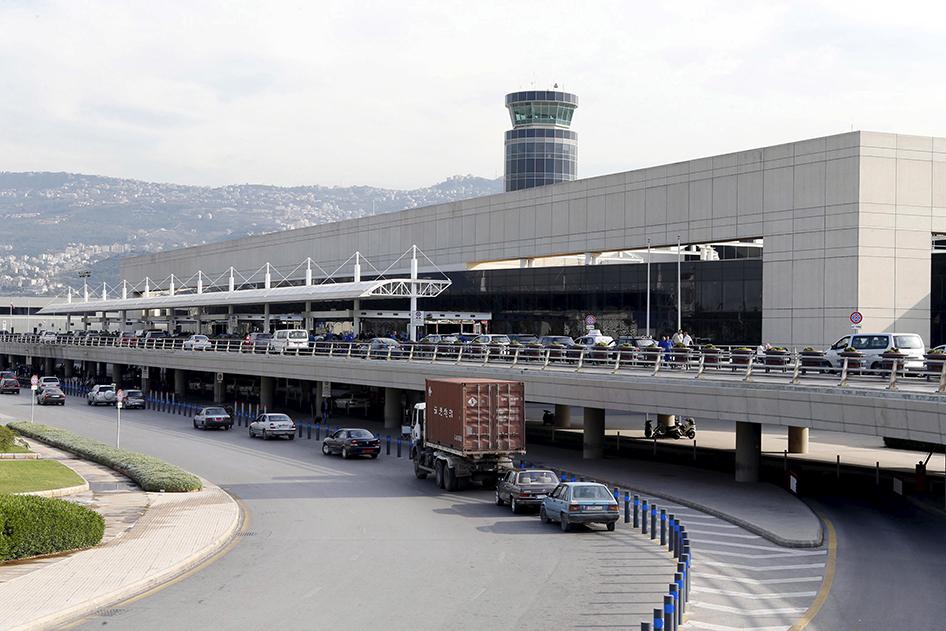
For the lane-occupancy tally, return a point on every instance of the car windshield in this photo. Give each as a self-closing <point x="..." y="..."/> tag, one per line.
<point x="538" y="477"/>
<point x="908" y="341"/>
<point x="500" y="339"/>
<point x="869" y="342"/>
<point x="214" y="412"/>
<point x="595" y="492"/>
<point x="263" y="336"/>
<point x="558" y="340"/>
<point x="133" y="394"/>
<point x="298" y="335"/>
<point x="360" y="433"/>
<point x="199" y="338"/>
<point x="277" y="418"/>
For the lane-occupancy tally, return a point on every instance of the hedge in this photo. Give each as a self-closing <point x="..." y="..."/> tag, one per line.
<point x="31" y="526"/>
<point x="7" y="439"/>
<point x="151" y="474"/>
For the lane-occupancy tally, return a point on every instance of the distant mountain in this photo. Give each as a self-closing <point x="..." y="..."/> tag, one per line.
<point x="54" y="224"/>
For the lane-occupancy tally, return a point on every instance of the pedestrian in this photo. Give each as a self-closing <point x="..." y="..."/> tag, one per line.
<point x="325" y="410"/>
<point x="687" y="340"/>
<point x="665" y="344"/>
<point x="677" y="338"/>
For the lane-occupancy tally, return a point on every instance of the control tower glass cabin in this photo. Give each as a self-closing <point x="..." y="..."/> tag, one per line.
<point x="540" y="147"/>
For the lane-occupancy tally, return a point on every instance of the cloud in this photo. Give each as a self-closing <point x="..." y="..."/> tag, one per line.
<point x="403" y="94"/>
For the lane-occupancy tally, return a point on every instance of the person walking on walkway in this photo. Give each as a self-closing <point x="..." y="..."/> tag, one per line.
<point x="687" y="340"/>
<point x="677" y="338"/>
<point x="665" y="344"/>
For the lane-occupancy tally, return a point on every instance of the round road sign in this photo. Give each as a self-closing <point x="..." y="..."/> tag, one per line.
<point x="120" y="395"/>
<point x="34" y="380"/>
<point x="590" y="320"/>
<point x="856" y="317"/>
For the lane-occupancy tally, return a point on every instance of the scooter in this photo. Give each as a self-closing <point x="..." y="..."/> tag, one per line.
<point x="676" y="431"/>
<point x="548" y="417"/>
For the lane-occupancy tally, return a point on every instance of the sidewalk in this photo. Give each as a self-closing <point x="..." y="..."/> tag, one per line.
<point x="761" y="508"/>
<point x="149" y="539"/>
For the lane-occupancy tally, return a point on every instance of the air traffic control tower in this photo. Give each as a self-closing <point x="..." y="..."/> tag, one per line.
<point x="540" y="147"/>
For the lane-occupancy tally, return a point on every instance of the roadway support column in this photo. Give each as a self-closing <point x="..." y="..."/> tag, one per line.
<point x="563" y="415"/>
<point x="318" y="398"/>
<point x="68" y="368"/>
<point x="117" y="371"/>
<point x="145" y="380"/>
<point x="49" y="366"/>
<point x="667" y="420"/>
<point x="4" y="361"/>
<point x="748" y="451"/>
<point x="593" y="444"/>
<point x="797" y="440"/>
<point x="220" y="387"/>
<point x="180" y="383"/>
<point x="392" y="408"/>
<point x="267" y="386"/>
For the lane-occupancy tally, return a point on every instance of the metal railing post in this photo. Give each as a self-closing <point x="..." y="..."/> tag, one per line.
<point x="701" y="367"/>
<point x="515" y="357"/>
<point x="843" y="381"/>
<point x="410" y="356"/>
<point x="617" y="363"/>
<point x="459" y="354"/>
<point x="486" y="355"/>
<point x="548" y="356"/>
<point x="797" y="371"/>
<point x="581" y="359"/>
<point x="659" y="358"/>
<point x="749" y="365"/>
<point x="892" y="385"/>
<point x="942" y="378"/>
<point x="433" y="359"/>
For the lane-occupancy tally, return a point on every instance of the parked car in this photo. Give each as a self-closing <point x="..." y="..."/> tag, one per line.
<point x="352" y="442"/>
<point x="48" y="337"/>
<point x="439" y="338"/>
<point x="101" y="394"/>
<point x="523" y="338"/>
<point x="525" y="488"/>
<point x="593" y="338"/>
<point x="7" y="374"/>
<point x="378" y="347"/>
<point x="349" y="402"/>
<point x="9" y="386"/>
<point x="636" y="341"/>
<point x="873" y="346"/>
<point x="45" y="382"/>
<point x="580" y="503"/>
<point x="197" y="343"/>
<point x="256" y="342"/>
<point x="127" y="338"/>
<point x="272" y="426"/>
<point x="491" y="339"/>
<point x="156" y="334"/>
<point x="563" y="340"/>
<point x="289" y="340"/>
<point x="212" y="416"/>
<point x="134" y="400"/>
<point x="51" y="395"/>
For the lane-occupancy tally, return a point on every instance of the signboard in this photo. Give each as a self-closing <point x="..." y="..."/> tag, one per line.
<point x="34" y="381"/>
<point x="119" y="398"/>
<point x="857" y="317"/>
<point x="219" y="377"/>
<point x="326" y="389"/>
<point x="417" y="318"/>
<point x="793" y="483"/>
<point x="590" y="320"/>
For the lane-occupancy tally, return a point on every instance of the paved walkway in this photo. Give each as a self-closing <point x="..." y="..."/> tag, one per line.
<point x="760" y="508"/>
<point x="149" y="539"/>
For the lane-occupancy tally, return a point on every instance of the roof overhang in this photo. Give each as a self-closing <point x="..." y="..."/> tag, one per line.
<point x="326" y="292"/>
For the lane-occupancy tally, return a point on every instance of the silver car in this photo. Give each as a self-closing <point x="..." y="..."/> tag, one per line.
<point x="197" y="343"/>
<point x="272" y="426"/>
<point x="102" y="394"/>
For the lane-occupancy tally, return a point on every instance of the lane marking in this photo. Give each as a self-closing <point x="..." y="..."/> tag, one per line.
<point x="748" y="612"/>
<point x="761" y="581"/>
<point x="721" y="534"/>
<point x="756" y="568"/>
<point x="749" y="555"/>
<point x="751" y="596"/>
<point x="828" y="579"/>
<point x="756" y="547"/>
<point x="693" y="624"/>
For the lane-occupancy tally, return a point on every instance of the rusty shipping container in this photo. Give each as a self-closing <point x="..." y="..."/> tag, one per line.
<point x="476" y="416"/>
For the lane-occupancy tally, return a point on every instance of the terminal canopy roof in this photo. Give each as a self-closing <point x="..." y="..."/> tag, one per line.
<point x="326" y="292"/>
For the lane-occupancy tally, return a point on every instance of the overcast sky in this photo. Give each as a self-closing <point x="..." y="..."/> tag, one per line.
<point x="403" y="94"/>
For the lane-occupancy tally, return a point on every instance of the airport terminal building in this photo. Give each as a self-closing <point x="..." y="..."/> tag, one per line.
<point x="777" y="244"/>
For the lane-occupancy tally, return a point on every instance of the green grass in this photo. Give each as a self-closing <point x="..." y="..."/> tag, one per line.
<point x="15" y="449"/>
<point x="20" y="476"/>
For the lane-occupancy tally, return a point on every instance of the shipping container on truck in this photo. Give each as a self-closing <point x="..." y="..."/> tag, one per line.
<point x="468" y="430"/>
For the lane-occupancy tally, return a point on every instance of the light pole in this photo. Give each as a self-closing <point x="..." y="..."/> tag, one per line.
<point x="648" y="288"/>
<point x="679" y="289"/>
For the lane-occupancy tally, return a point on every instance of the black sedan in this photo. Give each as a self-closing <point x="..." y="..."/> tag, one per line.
<point x="50" y="395"/>
<point x="526" y="487"/>
<point x="352" y="442"/>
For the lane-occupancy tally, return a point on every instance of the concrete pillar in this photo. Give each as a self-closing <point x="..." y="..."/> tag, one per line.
<point x="180" y="383"/>
<point x="101" y="369"/>
<point x="797" y="440"/>
<point x="318" y="398"/>
<point x="145" y="381"/>
<point x="748" y="451"/>
<point x="231" y="328"/>
<point x="68" y="369"/>
<point x="4" y="361"/>
<point x="308" y="316"/>
<point x="392" y="407"/>
<point x="267" y="387"/>
<point x="356" y="318"/>
<point x="49" y="366"/>
<point x="563" y="415"/>
<point x="593" y="445"/>
<point x="220" y="388"/>
<point x="266" y="319"/>
<point x="117" y="372"/>
<point x="666" y="420"/>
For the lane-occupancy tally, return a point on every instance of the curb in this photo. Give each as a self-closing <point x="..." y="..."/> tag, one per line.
<point x="19" y="456"/>
<point x="753" y="528"/>
<point x="63" y="492"/>
<point x="77" y="612"/>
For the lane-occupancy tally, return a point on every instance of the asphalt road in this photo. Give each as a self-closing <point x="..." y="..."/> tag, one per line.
<point x="357" y="544"/>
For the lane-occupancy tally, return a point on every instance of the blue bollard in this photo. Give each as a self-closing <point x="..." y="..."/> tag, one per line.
<point x="637" y="505"/>
<point x="318" y="431"/>
<point x="308" y="431"/>
<point x="653" y="521"/>
<point x="644" y="517"/>
<point x="387" y="445"/>
<point x="658" y="619"/>
<point x="663" y="527"/>
<point x="399" y="447"/>
<point x="668" y="613"/>
<point x="617" y="495"/>
<point x="627" y="508"/>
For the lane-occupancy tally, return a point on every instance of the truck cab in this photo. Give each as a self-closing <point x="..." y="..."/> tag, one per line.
<point x="416" y="428"/>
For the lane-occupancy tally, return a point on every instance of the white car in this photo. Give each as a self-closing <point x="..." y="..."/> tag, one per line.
<point x="102" y="394"/>
<point x="289" y="340"/>
<point x="873" y="346"/>
<point x="272" y="426"/>
<point x="47" y="381"/>
<point x="350" y="402"/>
<point x="212" y="416"/>
<point x="48" y="337"/>
<point x="593" y="338"/>
<point x="197" y="343"/>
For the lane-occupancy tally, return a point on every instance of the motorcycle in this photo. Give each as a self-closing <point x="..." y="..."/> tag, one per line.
<point x="676" y="431"/>
<point x="548" y="417"/>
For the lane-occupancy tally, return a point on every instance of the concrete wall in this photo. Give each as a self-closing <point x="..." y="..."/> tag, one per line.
<point x="845" y="219"/>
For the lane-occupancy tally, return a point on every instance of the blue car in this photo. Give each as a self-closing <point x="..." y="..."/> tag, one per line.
<point x="580" y="503"/>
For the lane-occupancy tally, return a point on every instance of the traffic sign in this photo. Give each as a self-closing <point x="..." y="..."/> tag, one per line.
<point x="34" y="380"/>
<point x="120" y="395"/>
<point x="590" y="320"/>
<point x="857" y="317"/>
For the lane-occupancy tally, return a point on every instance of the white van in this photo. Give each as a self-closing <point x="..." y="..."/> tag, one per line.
<point x="873" y="345"/>
<point x="289" y="340"/>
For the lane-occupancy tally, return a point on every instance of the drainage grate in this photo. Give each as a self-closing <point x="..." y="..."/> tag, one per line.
<point x="246" y="534"/>
<point x="110" y="613"/>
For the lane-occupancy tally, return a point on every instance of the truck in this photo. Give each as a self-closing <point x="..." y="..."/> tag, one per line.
<point x="468" y="430"/>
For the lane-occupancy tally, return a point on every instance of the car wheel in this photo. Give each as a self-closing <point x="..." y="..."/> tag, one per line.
<point x="513" y="505"/>
<point x="611" y="527"/>
<point x="438" y="473"/>
<point x="499" y="499"/>
<point x="291" y="436"/>
<point x="265" y="435"/>
<point x="325" y="451"/>
<point x="345" y="454"/>
<point x="544" y="516"/>
<point x="195" y="424"/>
<point x="563" y="521"/>
<point x="250" y="432"/>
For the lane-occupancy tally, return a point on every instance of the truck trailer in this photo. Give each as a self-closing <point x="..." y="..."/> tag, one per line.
<point x="468" y="430"/>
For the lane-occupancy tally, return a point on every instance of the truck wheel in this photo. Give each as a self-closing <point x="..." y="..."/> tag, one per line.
<point x="419" y="473"/>
<point x="450" y="481"/>
<point x="438" y="473"/>
<point x="564" y="522"/>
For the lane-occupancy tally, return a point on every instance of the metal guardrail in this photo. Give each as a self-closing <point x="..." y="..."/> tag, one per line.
<point x="797" y="368"/>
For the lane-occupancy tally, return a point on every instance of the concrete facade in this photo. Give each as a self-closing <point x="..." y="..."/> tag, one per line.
<point x="846" y="223"/>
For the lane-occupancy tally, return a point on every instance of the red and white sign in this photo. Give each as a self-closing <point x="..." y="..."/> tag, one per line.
<point x="120" y="395"/>
<point x="34" y="380"/>
<point x="590" y="320"/>
<point x="857" y="317"/>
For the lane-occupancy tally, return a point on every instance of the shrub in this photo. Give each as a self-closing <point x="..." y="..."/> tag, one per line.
<point x="7" y="439"/>
<point x="151" y="474"/>
<point x="850" y="349"/>
<point x="709" y="347"/>
<point x="31" y="526"/>
<point x="935" y="351"/>
<point x="743" y="349"/>
<point x="810" y="349"/>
